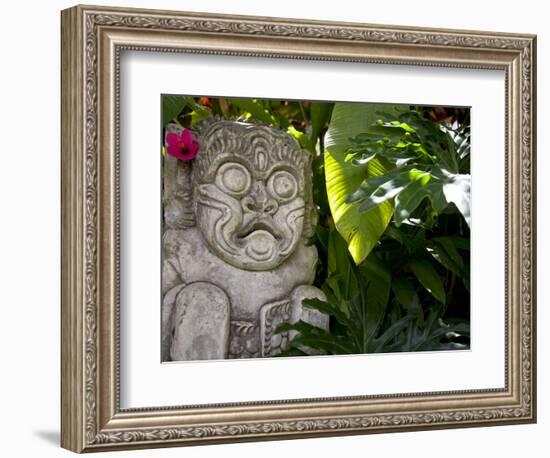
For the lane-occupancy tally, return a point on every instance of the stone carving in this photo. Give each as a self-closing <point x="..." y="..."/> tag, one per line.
<point x="236" y="259"/>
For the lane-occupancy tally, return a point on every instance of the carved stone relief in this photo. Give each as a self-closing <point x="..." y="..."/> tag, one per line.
<point x="236" y="258"/>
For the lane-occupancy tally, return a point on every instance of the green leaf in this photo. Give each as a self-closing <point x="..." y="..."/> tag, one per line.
<point x="314" y="337"/>
<point x="319" y="186"/>
<point x="376" y="282"/>
<point x="436" y="196"/>
<point x="399" y="125"/>
<point x="199" y="113"/>
<point x="445" y="252"/>
<point x="292" y="352"/>
<point x="390" y="186"/>
<point x="322" y="236"/>
<point x="340" y="266"/>
<point x="392" y="332"/>
<point x="429" y="278"/>
<point x="457" y="191"/>
<point x="256" y="110"/>
<point x="360" y="230"/>
<point x="461" y="243"/>
<point x="303" y="139"/>
<point x="404" y="291"/>
<point x="327" y="308"/>
<point x="172" y="106"/>
<point x="331" y="288"/>
<point x="320" y="115"/>
<point x="408" y="201"/>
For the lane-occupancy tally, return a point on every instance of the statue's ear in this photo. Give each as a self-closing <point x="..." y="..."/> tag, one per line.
<point x="177" y="202"/>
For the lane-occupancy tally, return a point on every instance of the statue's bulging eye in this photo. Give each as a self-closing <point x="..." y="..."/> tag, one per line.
<point x="282" y="185"/>
<point x="233" y="178"/>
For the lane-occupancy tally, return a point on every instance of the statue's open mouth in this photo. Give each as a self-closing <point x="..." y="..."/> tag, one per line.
<point x="260" y="225"/>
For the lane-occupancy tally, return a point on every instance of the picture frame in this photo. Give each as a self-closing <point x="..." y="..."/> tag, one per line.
<point x="93" y="39"/>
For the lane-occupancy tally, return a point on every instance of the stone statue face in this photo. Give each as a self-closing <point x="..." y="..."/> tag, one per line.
<point x="250" y="205"/>
<point x="251" y="218"/>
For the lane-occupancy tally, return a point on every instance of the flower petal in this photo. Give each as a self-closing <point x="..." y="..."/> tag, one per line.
<point x="193" y="147"/>
<point x="172" y="138"/>
<point x="172" y="149"/>
<point x="186" y="136"/>
<point x="175" y="151"/>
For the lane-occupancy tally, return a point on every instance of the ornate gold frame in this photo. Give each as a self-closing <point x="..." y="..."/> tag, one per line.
<point x="92" y="39"/>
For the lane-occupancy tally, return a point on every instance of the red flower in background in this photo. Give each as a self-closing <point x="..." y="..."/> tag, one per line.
<point x="205" y="101"/>
<point x="182" y="146"/>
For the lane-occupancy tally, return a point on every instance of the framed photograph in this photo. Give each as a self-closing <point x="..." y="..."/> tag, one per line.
<point x="278" y="228"/>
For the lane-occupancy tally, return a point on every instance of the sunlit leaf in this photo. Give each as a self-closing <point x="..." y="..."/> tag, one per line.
<point x="389" y="186"/>
<point x="303" y="139"/>
<point x="408" y="201"/>
<point x="198" y="114"/>
<point x="399" y="125"/>
<point x="457" y="191"/>
<point x="360" y="230"/>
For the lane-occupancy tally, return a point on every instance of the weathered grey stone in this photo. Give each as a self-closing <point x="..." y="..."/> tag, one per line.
<point x="236" y="259"/>
<point x="200" y="323"/>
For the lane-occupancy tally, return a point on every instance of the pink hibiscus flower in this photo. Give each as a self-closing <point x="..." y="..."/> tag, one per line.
<point x="182" y="146"/>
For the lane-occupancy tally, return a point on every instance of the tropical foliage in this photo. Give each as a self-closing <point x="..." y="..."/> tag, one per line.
<point x="392" y="186"/>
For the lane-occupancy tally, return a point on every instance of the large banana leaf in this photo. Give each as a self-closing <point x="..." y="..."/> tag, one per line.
<point x="361" y="231"/>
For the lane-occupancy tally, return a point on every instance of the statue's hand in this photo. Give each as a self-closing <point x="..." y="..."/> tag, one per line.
<point x="196" y="322"/>
<point x="311" y="316"/>
<point x="289" y="310"/>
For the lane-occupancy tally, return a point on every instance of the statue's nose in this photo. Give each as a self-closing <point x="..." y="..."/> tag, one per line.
<point x="259" y="201"/>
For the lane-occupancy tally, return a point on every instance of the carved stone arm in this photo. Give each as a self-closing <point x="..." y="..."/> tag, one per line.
<point x="195" y="322"/>
<point x="290" y="310"/>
